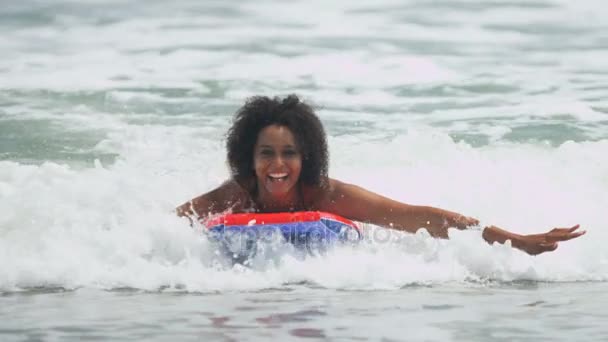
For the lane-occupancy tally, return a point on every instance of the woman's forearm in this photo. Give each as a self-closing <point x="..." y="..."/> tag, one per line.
<point x="493" y="234"/>
<point x="436" y="221"/>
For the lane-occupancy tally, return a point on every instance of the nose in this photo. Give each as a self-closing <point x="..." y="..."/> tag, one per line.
<point x="278" y="160"/>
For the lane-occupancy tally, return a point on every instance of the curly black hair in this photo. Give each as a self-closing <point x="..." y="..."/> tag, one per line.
<point x="259" y="112"/>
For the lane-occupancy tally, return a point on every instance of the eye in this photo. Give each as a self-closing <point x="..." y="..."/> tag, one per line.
<point x="290" y="153"/>
<point x="266" y="153"/>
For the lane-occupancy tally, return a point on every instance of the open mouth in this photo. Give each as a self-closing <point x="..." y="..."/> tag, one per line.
<point x="278" y="177"/>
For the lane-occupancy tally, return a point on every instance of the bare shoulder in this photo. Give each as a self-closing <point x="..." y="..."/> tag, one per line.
<point x="322" y="197"/>
<point x="229" y="195"/>
<point x="337" y="189"/>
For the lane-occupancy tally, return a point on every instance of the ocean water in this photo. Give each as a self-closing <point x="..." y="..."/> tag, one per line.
<point x="114" y="112"/>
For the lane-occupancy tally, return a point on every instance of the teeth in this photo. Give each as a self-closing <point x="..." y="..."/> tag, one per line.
<point x="278" y="175"/>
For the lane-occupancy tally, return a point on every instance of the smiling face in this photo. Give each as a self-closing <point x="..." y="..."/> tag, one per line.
<point x="277" y="161"/>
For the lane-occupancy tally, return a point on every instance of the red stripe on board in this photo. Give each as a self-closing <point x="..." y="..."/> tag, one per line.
<point x="273" y="218"/>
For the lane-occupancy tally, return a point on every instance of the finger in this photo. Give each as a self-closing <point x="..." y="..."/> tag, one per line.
<point x="565" y="237"/>
<point x="574" y="235"/>
<point x="564" y="230"/>
<point x="570" y="230"/>
<point x="467" y="221"/>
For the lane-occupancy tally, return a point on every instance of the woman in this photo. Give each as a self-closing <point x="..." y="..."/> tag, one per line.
<point x="277" y="152"/>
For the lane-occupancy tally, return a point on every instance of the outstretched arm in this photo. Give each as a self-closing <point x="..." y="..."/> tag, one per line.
<point x="362" y="205"/>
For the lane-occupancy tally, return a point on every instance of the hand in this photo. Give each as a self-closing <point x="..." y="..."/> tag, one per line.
<point x="546" y="242"/>
<point x="463" y="222"/>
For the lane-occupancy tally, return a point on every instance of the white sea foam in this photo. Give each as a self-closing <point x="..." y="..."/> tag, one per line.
<point x="395" y="82"/>
<point x="112" y="226"/>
